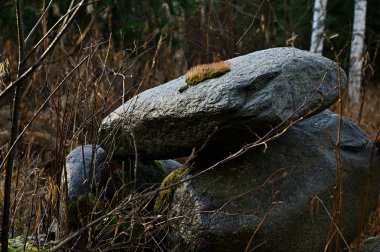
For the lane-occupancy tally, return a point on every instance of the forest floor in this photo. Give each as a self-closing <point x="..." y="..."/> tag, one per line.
<point x="370" y="116"/>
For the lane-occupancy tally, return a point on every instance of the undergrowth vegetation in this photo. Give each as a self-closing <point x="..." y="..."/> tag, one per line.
<point x="92" y="71"/>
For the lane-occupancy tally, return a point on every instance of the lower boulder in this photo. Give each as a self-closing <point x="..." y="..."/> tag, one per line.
<point x="278" y="199"/>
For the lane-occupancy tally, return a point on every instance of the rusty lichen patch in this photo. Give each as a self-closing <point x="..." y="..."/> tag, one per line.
<point x="203" y="72"/>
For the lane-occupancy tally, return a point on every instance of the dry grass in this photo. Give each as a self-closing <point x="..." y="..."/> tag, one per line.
<point x="70" y="118"/>
<point x="373" y="228"/>
<point x="369" y="118"/>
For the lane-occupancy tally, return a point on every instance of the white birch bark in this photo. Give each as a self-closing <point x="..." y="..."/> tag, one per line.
<point x="357" y="48"/>
<point x="318" y="26"/>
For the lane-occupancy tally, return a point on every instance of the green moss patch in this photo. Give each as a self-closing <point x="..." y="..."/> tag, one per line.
<point x="17" y="245"/>
<point x="157" y="164"/>
<point x="83" y="207"/>
<point x="165" y="197"/>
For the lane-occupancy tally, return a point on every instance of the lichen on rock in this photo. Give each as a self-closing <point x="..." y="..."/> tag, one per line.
<point x="203" y="72"/>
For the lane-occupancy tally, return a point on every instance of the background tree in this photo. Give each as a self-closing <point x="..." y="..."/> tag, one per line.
<point x="318" y="27"/>
<point x="355" y="75"/>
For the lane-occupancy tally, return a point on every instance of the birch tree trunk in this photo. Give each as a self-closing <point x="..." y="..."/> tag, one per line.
<point x="357" y="49"/>
<point x="318" y="27"/>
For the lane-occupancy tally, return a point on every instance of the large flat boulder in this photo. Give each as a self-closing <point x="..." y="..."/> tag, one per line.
<point x="274" y="200"/>
<point x="262" y="89"/>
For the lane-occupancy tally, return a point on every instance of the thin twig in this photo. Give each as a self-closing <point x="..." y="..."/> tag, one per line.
<point x="39" y="61"/>
<point x="39" y="110"/>
<point x="338" y="199"/>
<point x="253" y="21"/>
<point x="332" y="221"/>
<point x="38" y="22"/>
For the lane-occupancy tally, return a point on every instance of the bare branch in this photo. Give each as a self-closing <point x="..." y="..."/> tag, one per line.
<point x="39" y="61"/>
<point x="38" y="22"/>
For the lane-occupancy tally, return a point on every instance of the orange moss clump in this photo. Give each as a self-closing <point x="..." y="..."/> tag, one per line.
<point x="203" y="72"/>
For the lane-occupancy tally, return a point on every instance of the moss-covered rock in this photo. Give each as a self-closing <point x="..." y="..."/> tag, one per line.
<point x="165" y="196"/>
<point x="157" y="164"/>
<point x="85" y="207"/>
<point x="115" y="178"/>
<point x="78" y="212"/>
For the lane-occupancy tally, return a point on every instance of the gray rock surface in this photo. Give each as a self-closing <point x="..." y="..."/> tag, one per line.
<point x="78" y="164"/>
<point x="371" y="244"/>
<point x="169" y="165"/>
<point x="274" y="195"/>
<point x="262" y="89"/>
<point x="74" y="179"/>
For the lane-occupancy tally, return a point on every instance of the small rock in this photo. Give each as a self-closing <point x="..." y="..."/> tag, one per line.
<point x="78" y="164"/>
